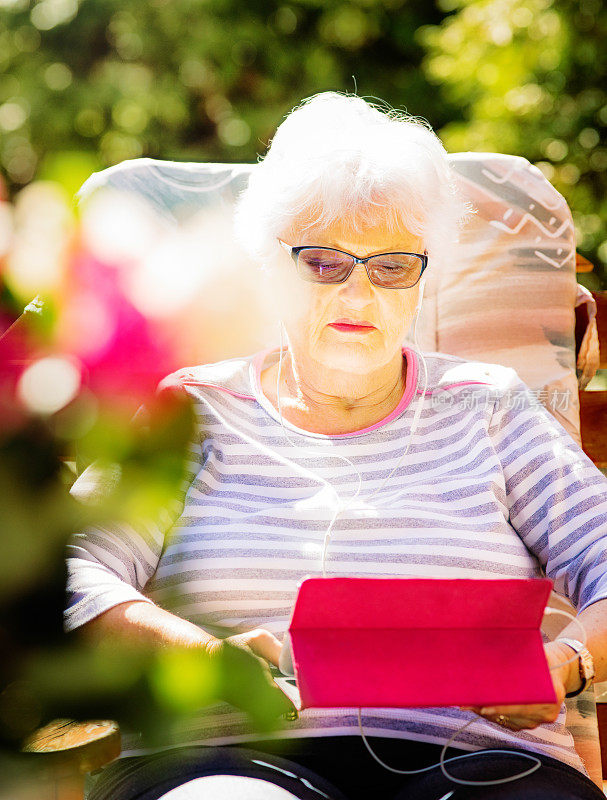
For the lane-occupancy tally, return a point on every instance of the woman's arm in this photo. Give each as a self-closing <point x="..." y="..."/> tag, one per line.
<point x="151" y="627"/>
<point x="141" y="622"/>
<point x="555" y="496"/>
<point x="557" y="503"/>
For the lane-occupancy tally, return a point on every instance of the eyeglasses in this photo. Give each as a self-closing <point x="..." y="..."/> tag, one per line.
<point x="386" y="270"/>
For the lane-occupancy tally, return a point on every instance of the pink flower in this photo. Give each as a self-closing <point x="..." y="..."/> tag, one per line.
<point x="123" y="354"/>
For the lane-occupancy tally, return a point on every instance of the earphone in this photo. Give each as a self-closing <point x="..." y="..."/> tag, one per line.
<point x="442" y="760"/>
<point x="344" y="504"/>
<point x="418" y="307"/>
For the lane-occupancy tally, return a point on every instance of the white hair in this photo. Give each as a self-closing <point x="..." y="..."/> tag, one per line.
<point x="337" y="158"/>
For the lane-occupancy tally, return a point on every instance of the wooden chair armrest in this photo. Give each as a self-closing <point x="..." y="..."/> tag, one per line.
<point x="83" y="746"/>
<point x="593" y="412"/>
<point x="64" y="751"/>
<point x="601" y="324"/>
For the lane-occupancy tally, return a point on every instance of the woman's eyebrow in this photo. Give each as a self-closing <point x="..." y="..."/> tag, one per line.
<point x="395" y="248"/>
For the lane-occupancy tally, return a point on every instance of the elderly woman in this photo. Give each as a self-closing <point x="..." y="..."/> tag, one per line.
<point x="324" y="455"/>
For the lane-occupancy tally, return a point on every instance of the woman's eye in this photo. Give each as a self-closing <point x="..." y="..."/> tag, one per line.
<point x="388" y="266"/>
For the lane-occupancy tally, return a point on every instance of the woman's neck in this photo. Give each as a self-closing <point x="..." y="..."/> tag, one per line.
<point x="331" y="401"/>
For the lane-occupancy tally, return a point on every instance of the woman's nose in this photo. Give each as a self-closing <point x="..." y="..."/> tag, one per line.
<point x="358" y="286"/>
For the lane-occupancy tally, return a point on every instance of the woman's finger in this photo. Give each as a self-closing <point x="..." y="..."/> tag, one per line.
<point x="535" y="711"/>
<point x="261" y="642"/>
<point x="265" y="644"/>
<point x="516" y="717"/>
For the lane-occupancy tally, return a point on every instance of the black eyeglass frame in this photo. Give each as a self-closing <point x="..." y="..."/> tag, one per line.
<point x="295" y="251"/>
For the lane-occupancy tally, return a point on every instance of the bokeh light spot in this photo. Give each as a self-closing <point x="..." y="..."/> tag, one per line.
<point x="49" y="384"/>
<point x="546" y="169"/>
<point x="285" y="20"/>
<point x="234" y="132"/>
<point x="117" y="147"/>
<point x="6" y="228"/>
<point x="196" y="74"/>
<point x="522" y="17"/>
<point x="347" y="26"/>
<point x="554" y="149"/>
<point x="589" y="138"/>
<point x="49" y="13"/>
<point x="569" y="174"/>
<point x="12" y="115"/>
<point x="26" y="39"/>
<point x="501" y="33"/>
<point x="89" y="122"/>
<point x="42" y="222"/>
<point x="118" y="228"/>
<point x="130" y="116"/>
<point x="598" y="160"/>
<point x="58" y="76"/>
<point x="217" y="107"/>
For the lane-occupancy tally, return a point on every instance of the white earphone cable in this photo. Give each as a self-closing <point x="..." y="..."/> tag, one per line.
<point x="342" y="505"/>
<point x="442" y="760"/>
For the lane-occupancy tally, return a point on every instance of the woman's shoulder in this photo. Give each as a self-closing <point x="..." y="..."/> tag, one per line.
<point x="446" y="371"/>
<point x="231" y="374"/>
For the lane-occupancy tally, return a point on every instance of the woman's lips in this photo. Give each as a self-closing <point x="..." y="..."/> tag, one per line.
<point x="352" y="327"/>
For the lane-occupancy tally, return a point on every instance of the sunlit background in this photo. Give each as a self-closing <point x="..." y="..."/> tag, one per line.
<point x="115" y="298"/>
<point x="84" y="85"/>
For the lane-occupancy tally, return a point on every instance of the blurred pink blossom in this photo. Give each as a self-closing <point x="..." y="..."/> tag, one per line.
<point x="123" y="354"/>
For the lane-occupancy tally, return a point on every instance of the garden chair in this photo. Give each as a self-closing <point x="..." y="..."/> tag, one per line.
<point x="511" y="299"/>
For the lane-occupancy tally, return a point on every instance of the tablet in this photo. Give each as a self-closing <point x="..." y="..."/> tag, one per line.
<point x="412" y="642"/>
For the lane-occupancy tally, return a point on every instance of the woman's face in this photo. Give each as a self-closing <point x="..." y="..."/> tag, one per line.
<point x="312" y="312"/>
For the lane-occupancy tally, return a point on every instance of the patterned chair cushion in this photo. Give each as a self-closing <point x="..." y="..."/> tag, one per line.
<point x="509" y="297"/>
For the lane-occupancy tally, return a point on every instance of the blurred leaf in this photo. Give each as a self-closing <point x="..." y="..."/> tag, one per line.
<point x="68" y="169"/>
<point x="36" y="513"/>
<point x="184" y="680"/>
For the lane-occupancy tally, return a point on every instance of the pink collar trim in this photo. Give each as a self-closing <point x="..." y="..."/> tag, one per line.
<point x="410" y="388"/>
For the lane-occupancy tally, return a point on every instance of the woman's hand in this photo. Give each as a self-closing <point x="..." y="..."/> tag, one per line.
<point x="259" y="642"/>
<point x="261" y="693"/>
<point x="565" y="678"/>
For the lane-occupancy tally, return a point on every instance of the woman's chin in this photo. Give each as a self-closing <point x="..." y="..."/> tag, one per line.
<point x="351" y="356"/>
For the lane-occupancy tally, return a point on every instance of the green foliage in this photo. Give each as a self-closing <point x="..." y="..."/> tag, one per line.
<point x="36" y="515"/>
<point x="202" y="81"/>
<point x="530" y="79"/>
<point x="46" y="674"/>
<point x="192" y="80"/>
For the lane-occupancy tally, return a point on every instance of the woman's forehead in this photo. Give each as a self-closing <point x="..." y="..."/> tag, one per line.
<point x="362" y="241"/>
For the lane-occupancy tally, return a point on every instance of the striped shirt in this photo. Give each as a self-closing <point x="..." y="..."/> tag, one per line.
<point x="491" y="486"/>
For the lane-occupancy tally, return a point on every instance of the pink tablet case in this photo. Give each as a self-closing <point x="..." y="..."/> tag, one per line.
<point x="405" y="642"/>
